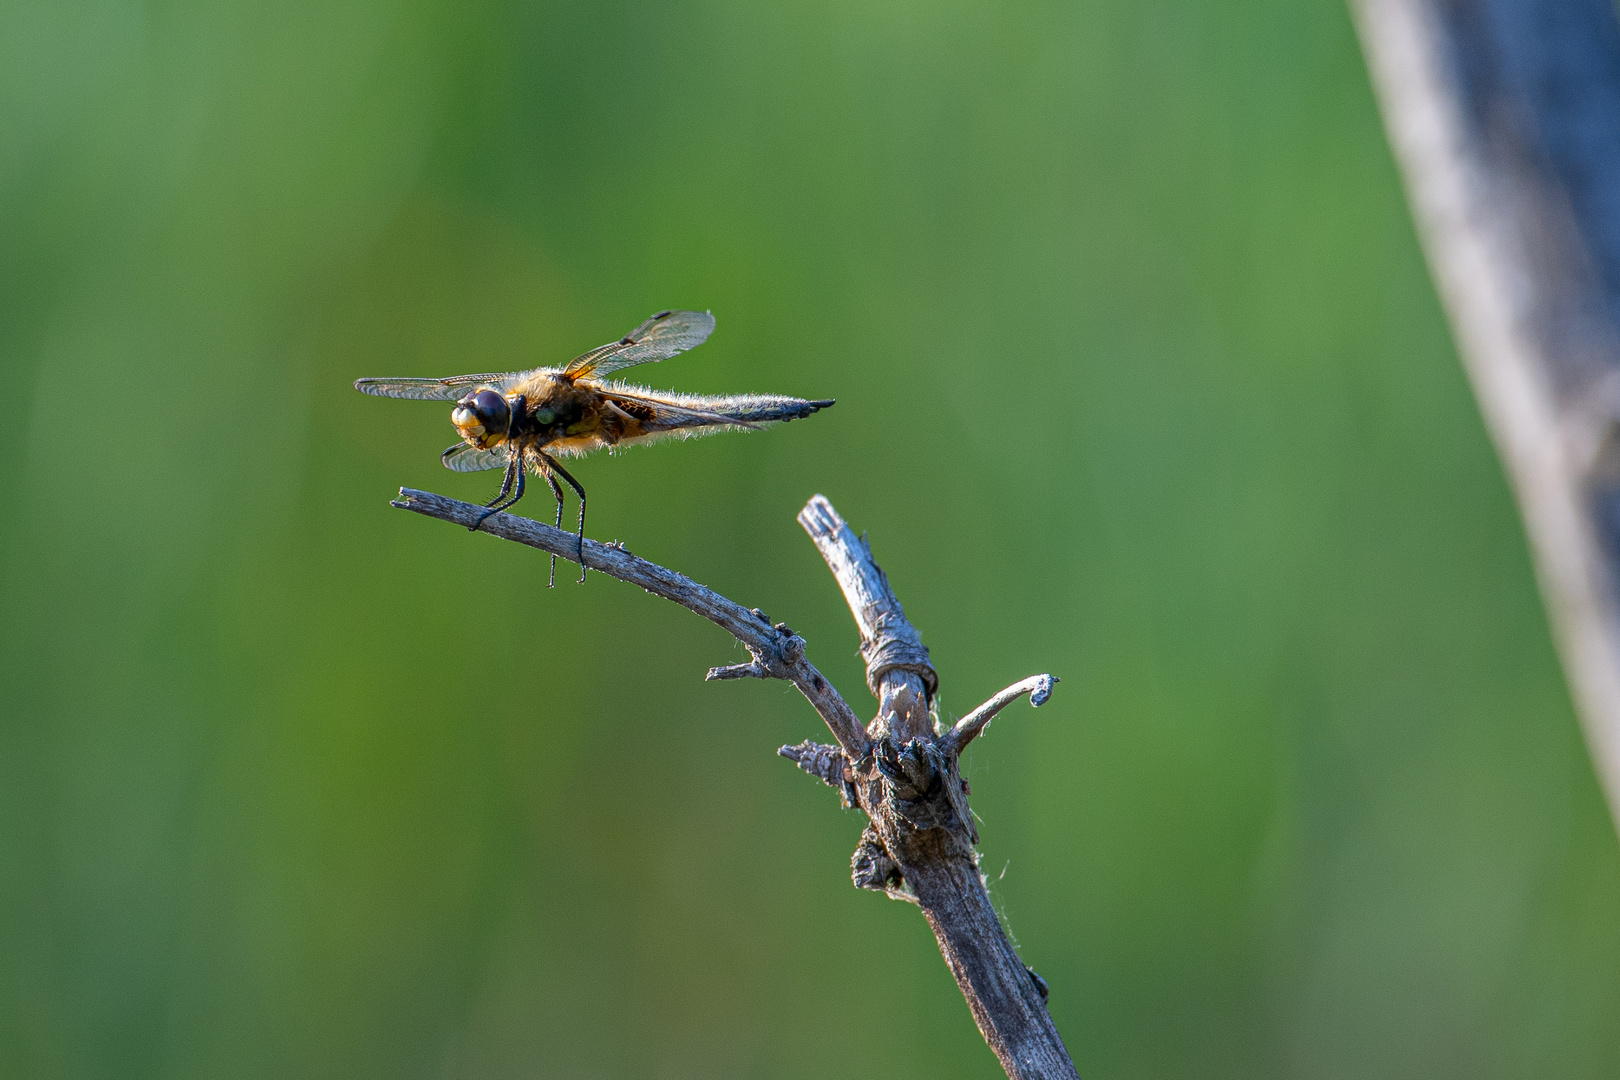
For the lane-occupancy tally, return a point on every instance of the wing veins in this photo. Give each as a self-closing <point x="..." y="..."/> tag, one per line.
<point x="666" y="334"/>
<point x="464" y="457"/>
<point x="431" y="389"/>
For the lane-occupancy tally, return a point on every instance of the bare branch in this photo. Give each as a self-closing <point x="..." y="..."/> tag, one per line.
<point x="918" y="846"/>
<point x="749" y="670"/>
<point x="888" y="640"/>
<point x="826" y="763"/>
<point x="777" y="651"/>
<point x="898" y="669"/>
<point x="1039" y="689"/>
<point x="818" y="759"/>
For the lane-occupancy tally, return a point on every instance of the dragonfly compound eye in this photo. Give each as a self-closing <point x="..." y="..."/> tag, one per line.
<point x="491" y="410"/>
<point x="482" y="418"/>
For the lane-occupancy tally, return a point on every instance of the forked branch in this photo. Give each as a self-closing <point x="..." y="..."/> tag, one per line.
<point x="919" y="845"/>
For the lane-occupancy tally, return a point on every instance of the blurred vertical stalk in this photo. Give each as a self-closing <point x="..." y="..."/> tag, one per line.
<point x="1504" y="116"/>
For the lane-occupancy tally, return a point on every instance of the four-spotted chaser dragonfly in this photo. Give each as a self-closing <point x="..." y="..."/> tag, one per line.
<point x="524" y="421"/>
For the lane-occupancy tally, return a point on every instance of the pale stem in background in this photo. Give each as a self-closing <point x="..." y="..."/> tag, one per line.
<point x="1505" y="121"/>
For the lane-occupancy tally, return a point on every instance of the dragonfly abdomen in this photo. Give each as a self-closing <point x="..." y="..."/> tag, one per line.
<point x="766" y="408"/>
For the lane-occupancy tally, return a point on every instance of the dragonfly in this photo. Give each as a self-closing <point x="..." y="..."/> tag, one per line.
<point x="525" y="421"/>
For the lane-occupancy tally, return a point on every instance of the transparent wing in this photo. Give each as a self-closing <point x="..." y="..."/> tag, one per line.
<point x="464" y="457"/>
<point x="433" y="389"/>
<point x="659" y="338"/>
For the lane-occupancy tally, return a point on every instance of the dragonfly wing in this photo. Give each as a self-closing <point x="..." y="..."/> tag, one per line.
<point x="449" y="389"/>
<point x="464" y="457"/>
<point x="659" y="338"/>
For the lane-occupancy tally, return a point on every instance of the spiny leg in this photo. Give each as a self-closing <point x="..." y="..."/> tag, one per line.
<point x="515" y="476"/>
<point x="556" y="491"/>
<point x="514" y="481"/>
<point x="551" y="462"/>
<point x="506" y="486"/>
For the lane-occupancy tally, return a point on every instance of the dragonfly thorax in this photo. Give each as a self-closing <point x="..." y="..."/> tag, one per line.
<point x="550" y="408"/>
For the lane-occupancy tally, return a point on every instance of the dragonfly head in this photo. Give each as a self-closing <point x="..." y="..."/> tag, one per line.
<point x="482" y="417"/>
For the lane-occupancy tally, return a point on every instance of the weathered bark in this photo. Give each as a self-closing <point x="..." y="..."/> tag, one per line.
<point x="901" y="770"/>
<point x="916" y="799"/>
<point x="1505" y="119"/>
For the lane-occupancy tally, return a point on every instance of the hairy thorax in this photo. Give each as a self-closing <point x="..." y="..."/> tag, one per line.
<point x="556" y="414"/>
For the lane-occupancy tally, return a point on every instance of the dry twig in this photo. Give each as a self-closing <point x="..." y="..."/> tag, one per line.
<point x="919" y="843"/>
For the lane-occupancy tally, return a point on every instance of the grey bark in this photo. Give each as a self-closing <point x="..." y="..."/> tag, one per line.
<point x="1504" y="116"/>
<point x="901" y="769"/>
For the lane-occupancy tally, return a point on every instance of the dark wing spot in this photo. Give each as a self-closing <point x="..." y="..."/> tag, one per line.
<point x="627" y="340"/>
<point x="637" y="410"/>
<point x="663" y="315"/>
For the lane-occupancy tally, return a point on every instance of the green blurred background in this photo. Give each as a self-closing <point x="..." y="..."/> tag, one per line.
<point x="1141" y="381"/>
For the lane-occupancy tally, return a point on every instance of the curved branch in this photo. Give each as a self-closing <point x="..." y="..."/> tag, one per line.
<point x="1039" y="689"/>
<point x="777" y="651"/>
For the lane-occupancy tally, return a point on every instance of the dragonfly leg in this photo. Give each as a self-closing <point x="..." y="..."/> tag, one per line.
<point x="551" y="462"/>
<point x="514" y="479"/>
<point x="494" y="504"/>
<point x="557" y="492"/>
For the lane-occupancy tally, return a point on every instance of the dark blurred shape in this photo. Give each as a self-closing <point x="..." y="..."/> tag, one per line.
<point x="1505" y="115"/>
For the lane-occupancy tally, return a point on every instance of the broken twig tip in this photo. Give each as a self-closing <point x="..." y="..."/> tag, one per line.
<point x="1039" y="689"/>
<point x="826" y="763"/>
<point x="736" y="671"/>
<point x="819" y="518"/>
